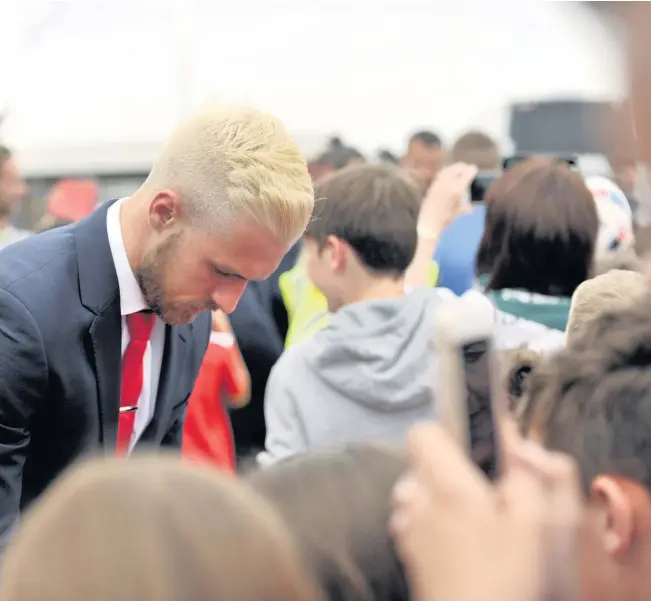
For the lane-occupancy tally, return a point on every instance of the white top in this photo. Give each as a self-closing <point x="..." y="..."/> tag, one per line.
<point x="11" y="234"/>
<point x="132" y="301"/>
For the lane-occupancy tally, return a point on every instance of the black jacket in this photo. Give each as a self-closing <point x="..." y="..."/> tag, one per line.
<point x="260" y="325"/>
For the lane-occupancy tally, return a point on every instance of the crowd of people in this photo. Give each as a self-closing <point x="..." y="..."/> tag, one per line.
<point x="227" y="386"/>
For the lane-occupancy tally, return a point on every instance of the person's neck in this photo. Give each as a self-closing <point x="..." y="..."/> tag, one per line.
<point x="375" y="288"/>
<point x="133" y="234"/>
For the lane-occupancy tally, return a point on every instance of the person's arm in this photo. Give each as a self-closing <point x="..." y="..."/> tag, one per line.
<point x="285" y="432"/>
<point x="441" y="204"/>
<point x="23" y="374"/>
<point x="418" y="272"/>
<point x="236" y="384"/>
<point x="223" y="347"/>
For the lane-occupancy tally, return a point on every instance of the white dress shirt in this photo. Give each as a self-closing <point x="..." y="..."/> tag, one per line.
<point x="132" y="301"/>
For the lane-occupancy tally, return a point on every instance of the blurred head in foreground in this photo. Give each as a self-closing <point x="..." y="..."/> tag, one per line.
<point x="153" y="529"/>
<point x="593" y="402"/>
<point x="338" y="505"/>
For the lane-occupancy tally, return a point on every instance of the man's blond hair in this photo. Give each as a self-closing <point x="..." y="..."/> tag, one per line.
<point x="229" y="162"/>
<point x="610" y="292"/>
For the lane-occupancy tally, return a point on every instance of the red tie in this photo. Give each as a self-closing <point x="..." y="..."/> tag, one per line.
<point x="140" y="326"/>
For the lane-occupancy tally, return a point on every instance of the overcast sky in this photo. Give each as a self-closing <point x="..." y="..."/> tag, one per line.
<point x="86" y="71"/>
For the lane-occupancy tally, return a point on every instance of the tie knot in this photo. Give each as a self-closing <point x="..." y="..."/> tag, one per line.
<point x="140" y="325"/>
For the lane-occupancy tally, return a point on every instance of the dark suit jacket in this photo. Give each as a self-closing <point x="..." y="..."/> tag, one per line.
<point x="60" y="360"/>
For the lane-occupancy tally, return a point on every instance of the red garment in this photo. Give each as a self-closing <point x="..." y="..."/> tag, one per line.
<point x="140" y="326"/>
<point x="72" y="199"/>
<point x="207" y="433"/>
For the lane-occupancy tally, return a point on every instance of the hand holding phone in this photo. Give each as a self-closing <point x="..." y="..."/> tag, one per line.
<point x="465" y="391"/>
<point x="479" y="186"/>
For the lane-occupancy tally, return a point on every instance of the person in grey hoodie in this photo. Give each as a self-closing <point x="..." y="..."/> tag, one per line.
<point x="367" y="376"/>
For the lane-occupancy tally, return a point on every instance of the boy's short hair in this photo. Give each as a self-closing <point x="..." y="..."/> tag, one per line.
<point x="426" y="138"/>
<point x="477" y="148"/>
<point x="374" y="209"/>
<point x="609" y="292"/>
<point x="593" y="401"/>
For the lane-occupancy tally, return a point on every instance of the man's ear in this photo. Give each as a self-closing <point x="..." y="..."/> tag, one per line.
<point x="338" y="253"/>
<point x="165" y="210"/>
<point x="617" y="514"/>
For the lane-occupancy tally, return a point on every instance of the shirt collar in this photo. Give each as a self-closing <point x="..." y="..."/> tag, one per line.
<point x="131" y="298"/>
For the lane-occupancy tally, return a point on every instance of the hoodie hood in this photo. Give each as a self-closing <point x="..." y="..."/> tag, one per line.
<point x="377" y="353"/>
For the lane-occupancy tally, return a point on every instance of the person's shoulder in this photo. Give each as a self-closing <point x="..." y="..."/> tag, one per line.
<point x="35" y="256"/>
<point x="444" y="295"/>
<point x="40" y="272"/>
<point x="454" y="238"/>
<point x="513" y="332"/>
<point x="295" y="357"/>
<point x="467" y="220"/>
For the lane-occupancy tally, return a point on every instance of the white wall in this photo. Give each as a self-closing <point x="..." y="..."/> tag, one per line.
<point x="124" y="71"/>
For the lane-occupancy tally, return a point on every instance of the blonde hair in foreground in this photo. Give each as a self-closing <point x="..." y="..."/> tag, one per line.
<point x="229" y="162"/>
<point x="151" y="529"/>
<point x="614" y="291"/>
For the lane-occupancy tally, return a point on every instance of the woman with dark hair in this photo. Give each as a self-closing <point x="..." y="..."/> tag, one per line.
<point x="537" y="247"/>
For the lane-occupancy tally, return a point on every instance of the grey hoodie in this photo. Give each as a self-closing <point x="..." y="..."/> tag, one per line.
<point x="366" y="377"/>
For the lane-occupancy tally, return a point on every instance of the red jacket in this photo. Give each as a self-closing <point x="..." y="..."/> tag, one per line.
<point x="222" y="382"/>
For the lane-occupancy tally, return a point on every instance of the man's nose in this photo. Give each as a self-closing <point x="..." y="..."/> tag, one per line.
<point x="227" y="296"/>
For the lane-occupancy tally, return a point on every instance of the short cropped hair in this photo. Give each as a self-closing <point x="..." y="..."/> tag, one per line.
<point x="427" y="138"/>
<point x="230" y="162"/>
<point x="338" y="155"/>
<point x="5" y="155"/>
<point x="476" y="148"/>
<point x="540" y="229"/>
<point x="609" y="292"/>
<point x="593" y="401"/>
<point x="374" y="209"/>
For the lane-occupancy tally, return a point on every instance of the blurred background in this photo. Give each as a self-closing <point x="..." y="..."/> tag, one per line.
<point x="89" y="88"/>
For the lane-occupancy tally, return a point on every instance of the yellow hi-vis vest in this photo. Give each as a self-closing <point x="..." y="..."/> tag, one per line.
<point x="307" y="308"/>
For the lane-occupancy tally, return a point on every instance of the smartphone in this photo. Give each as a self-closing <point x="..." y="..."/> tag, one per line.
<point x="480" y="184"/>
<point x="466" y="390"/>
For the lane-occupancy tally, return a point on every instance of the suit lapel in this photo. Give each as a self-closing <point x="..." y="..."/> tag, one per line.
<point x="172" y="371"/>
<point x="106" y="336"/>
<point x="100" y="294"/>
